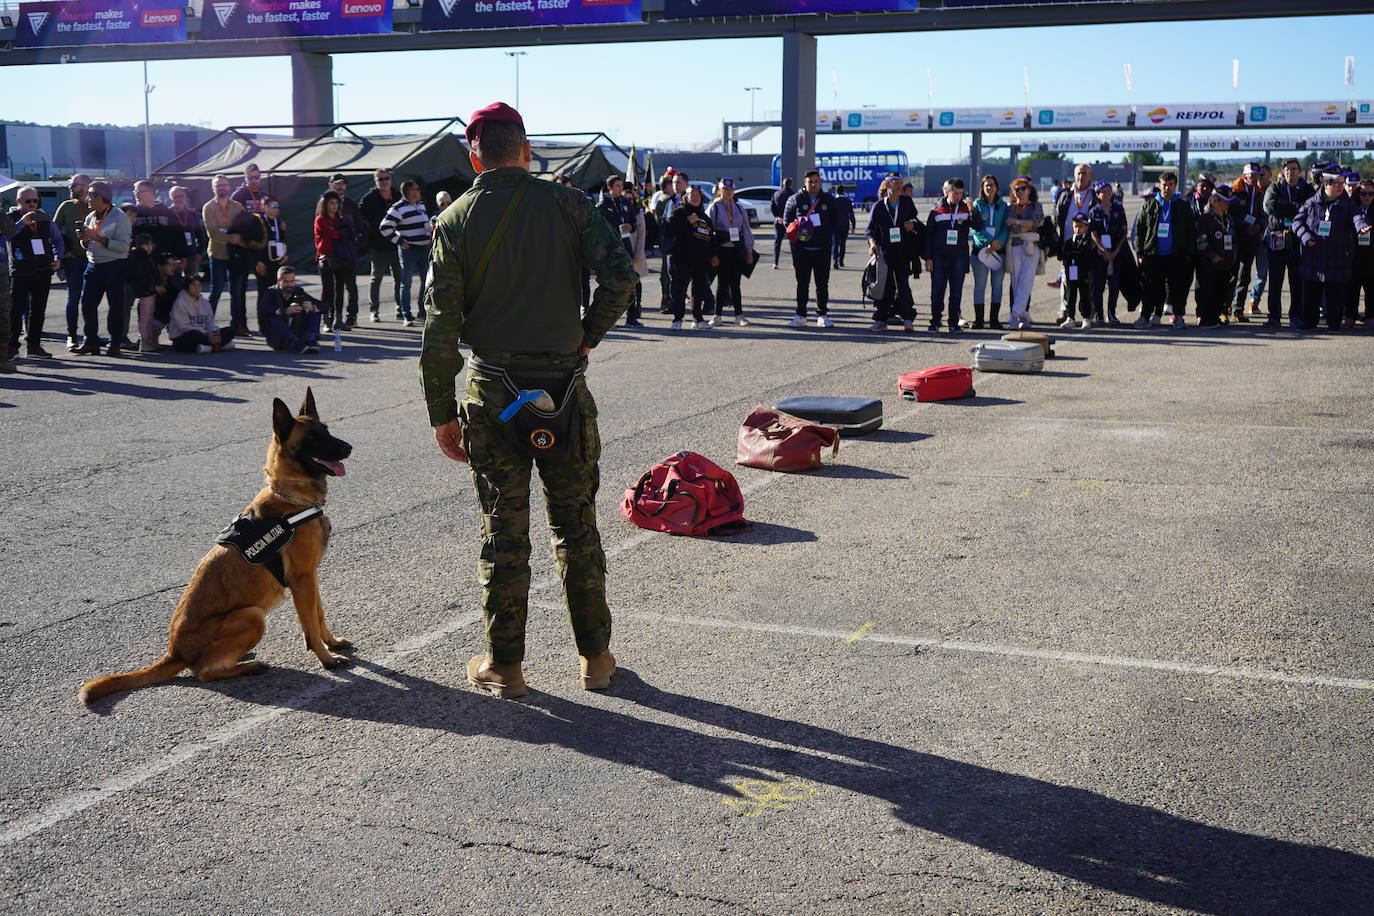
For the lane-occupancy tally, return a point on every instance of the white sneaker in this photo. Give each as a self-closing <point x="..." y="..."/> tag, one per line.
<point x="1168" y="311"/>
<point x="965" y="323"/>
<point x="410" y="322"/>
<point x="742" y="321"/>
<point x="675" y="326"/>
<point x="1087" y="323"/>
<point x="797" y="322"/>
<point x="227" y="345"/>
<point x="1068" y="323"/>
<point x="702" y="325"/>
<point x="203" y="348"/>
<point x="1178" y="322"/>
<point x="824" y="322"/>
<point x="720" y="320"/>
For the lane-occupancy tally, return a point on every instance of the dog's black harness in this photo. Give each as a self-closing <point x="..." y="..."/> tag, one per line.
<point x="260" y="540"/>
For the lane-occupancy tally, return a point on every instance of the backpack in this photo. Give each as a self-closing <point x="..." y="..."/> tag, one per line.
<point x="686" y="494"/>
<point x="875" y="277"/>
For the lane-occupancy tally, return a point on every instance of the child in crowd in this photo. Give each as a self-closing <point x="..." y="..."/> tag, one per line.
<point x="193" y="327"/>
<point x="142" y="278"/>
<point x="1079" y="262"/>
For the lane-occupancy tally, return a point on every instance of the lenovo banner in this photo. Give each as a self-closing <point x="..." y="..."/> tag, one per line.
<point x="233" y="19"/>
<point x="458" y="15"/>
<point x="712" y="9"/>
<point x="99" y="22"/>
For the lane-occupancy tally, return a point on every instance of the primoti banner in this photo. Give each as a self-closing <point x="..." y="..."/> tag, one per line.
<point x="237" y="19"/>
<point x="1073" y="146"/>
<point x="897" y="120"/>
<point x="1295" y="113"/>
<point x="460" y="15"/>
<point x="99" y="22"/>
<point x="1338" y="141"/>
<point x="1210" y="143"/>
<point x="979" y="119"/>
<point x="1270" y="143"/>
<point x="1197" y="114"/>
<point x="715" y="9"/>
<point x="1081" y="116"/>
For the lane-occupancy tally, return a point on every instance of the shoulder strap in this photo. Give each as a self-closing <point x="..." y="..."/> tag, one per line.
<point x="480" y="271"/>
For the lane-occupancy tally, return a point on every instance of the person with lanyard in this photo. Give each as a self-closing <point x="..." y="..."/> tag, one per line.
<point x="1362" y="270"/>
<point x="219" y="213"/>
<point x="734" y="248"/>
<point x="36" y="252"/>
<point x="71" y="216"/>
<point x="813" y="210"/>
<point x="1198" y="203"/>
<point x="1248" y="214"/>
<point x="188" y="224"/>
<point x="1108" y="227"/>
<point x="106" y="236"/>
<point x="1164" y="240"/>
<point x="914" y="242"/>
<point x="694" y="253"/>
<point x="155" y="218"/>
<point x="249" y="194"/>
<point x="1282" y="201"/>
<point x="992" y="238"/>
<point x="946" y="255"/>
<point x="1216" y="258"/>
<point x="272" y="255"/>
<point x="523" y="321"/>
<point x="1328" y="226"/>
<point x="893" y="218"/>
<point x="1025" y="257"/>
<point x="1076" y="199"/>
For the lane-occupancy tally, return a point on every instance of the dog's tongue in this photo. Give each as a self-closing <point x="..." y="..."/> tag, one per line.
<point x="335" y="466"/>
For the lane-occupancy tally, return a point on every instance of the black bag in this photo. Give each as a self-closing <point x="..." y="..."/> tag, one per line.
<point x="1049" y="239"/>
<point x="544" y="435"/>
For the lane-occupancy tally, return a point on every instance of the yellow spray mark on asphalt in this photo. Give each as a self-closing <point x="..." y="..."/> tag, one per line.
<point x="764" y="795"/>
<point x="1111" y="419"/>
<point x="1024" y="493"/>
<point x="860" y="631"/>
<point x="1091" y="484"/>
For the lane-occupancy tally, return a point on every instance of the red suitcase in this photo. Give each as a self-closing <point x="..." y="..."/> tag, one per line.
<point x="938" y="383"/>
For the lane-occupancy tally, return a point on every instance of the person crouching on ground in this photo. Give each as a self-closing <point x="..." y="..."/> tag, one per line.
<point x="288" y="316"/>
<point x="193" y="328"/>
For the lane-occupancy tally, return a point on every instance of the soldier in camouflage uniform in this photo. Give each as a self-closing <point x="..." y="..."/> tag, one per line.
<point x="506" y="280"/>
<point x="6" y="228"/>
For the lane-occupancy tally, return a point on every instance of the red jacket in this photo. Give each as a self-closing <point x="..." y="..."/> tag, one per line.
<point x="326" y="234"/>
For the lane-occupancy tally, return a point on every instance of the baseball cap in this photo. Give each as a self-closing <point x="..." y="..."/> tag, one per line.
<point x="1352" y="178"/>
<point x="1224" y="193"/>
<point x="338" y="176"/>
<point x="496" y="111"/>
<point x="1253" y="168"/>
<point x="1080" y="217"/>
<point x="727" y="182"/>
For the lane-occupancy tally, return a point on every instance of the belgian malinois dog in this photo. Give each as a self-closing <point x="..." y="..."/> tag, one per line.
<point x="223" y="612"/>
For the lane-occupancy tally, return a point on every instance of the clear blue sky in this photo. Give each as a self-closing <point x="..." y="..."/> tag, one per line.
<point x="624" y="89"/>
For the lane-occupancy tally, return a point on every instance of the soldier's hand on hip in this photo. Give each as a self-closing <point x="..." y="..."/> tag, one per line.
<point x="450" y="439"/>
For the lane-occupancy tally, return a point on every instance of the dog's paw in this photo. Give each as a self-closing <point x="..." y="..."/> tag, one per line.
<point x="337" y="661"/>
<point x="340" y="645"/>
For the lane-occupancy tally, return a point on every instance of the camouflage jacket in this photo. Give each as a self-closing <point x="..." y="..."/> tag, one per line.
<point x="530" y="300"/>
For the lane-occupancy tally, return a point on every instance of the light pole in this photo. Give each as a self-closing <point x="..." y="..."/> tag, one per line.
<point x="338" y="115"/>
<point x="868" y="135"/>
<point x="517" y="55"/>
<point x="147" y="126"/>
<point x="751" y="90"/>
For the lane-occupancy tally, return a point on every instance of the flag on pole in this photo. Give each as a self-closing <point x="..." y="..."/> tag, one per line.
<point x="930" y="84"/>
<point x="1025" y="78"/>
<point x="1126" y="68"/>
<point x="649" y="168"/>
<point x="1350" y="71"/>
<point x="632" y="169"/>
<point x="1235" y="73"/>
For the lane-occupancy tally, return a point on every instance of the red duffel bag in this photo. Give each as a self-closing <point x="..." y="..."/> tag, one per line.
<point x="687" y="494"/>
<point x="938" y="383"/>
<point x="777" y="441"/>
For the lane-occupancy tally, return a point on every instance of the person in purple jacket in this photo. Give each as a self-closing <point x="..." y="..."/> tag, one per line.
<point x="1327" y="227"/>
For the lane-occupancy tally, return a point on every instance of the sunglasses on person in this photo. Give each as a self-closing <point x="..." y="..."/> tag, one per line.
<point x="383" y="177"/>
<point x="28" y="200"/>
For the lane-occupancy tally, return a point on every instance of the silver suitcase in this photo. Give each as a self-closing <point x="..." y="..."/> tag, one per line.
<point x="1008" y="356"/>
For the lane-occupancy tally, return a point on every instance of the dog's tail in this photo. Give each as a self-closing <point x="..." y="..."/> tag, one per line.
<point x="164" y="669"/>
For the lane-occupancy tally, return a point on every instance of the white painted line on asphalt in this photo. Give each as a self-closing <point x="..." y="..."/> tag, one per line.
<point x="1171" y="424"/>
<point x="1114" y="661"/>
<point x="25" y="827"/>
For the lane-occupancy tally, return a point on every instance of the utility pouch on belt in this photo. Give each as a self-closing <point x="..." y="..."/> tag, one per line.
<point x="546" y="435"/>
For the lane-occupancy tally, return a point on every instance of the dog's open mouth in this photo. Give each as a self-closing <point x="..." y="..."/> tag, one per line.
<point x="334" y="468"/>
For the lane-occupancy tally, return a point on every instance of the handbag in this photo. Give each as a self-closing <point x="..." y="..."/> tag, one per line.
<point x="799" y="230"/>
<point x="777" y="441"/>
<point x="875" y="278"/>
<point x="686" y="494"/>
<point x="1049" y="239"/>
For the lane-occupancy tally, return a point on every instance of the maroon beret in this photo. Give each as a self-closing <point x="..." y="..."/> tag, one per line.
<point x="496" y="111"/>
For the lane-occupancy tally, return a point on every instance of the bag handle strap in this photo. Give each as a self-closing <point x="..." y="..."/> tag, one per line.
<point x="479" y="272"/>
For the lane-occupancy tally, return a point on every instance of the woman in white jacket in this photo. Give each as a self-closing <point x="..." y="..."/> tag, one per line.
<point x="1025" y="259"/>
<point x="192" y="326"/>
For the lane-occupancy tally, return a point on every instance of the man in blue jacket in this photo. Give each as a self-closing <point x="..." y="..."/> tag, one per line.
<point x="947" y="231"/>
<point x="814" y="211"/>
<point x="1327" y="226"/>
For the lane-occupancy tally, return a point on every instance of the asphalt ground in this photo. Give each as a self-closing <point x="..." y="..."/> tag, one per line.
<point x="1095" y="641"/>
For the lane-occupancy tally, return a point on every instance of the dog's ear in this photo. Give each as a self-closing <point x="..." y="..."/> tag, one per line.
<point x="308" y="405"/>
<point x="283" y="420"/>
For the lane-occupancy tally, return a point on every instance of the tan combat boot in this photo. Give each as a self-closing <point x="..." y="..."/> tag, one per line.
<point x="504" y="681"/>
<point x="597" y="671"/>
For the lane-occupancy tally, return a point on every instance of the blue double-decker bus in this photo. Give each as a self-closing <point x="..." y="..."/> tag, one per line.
<point x="859" y="172"/>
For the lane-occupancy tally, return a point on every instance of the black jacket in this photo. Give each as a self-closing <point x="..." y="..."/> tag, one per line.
<point x="820" y="236"/>
<point x="694" y="245"/>
<point x="373" y="208"/>
<point x="142" y="273"/>
<point x="779" y="203"/>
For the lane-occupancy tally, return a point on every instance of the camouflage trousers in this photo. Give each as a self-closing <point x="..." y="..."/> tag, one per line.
<point x="502" y="478"/>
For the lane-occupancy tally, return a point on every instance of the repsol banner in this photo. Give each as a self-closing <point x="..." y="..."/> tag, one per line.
<point x="711" y="9"/>
<point x="235" y="19"/>
<point x="1221" y="114"/>
<point x="457" y="15"/>
<point x="99" y="22"/>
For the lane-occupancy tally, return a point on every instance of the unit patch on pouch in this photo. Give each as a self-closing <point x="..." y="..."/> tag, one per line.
<point x="542" y="439"/>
